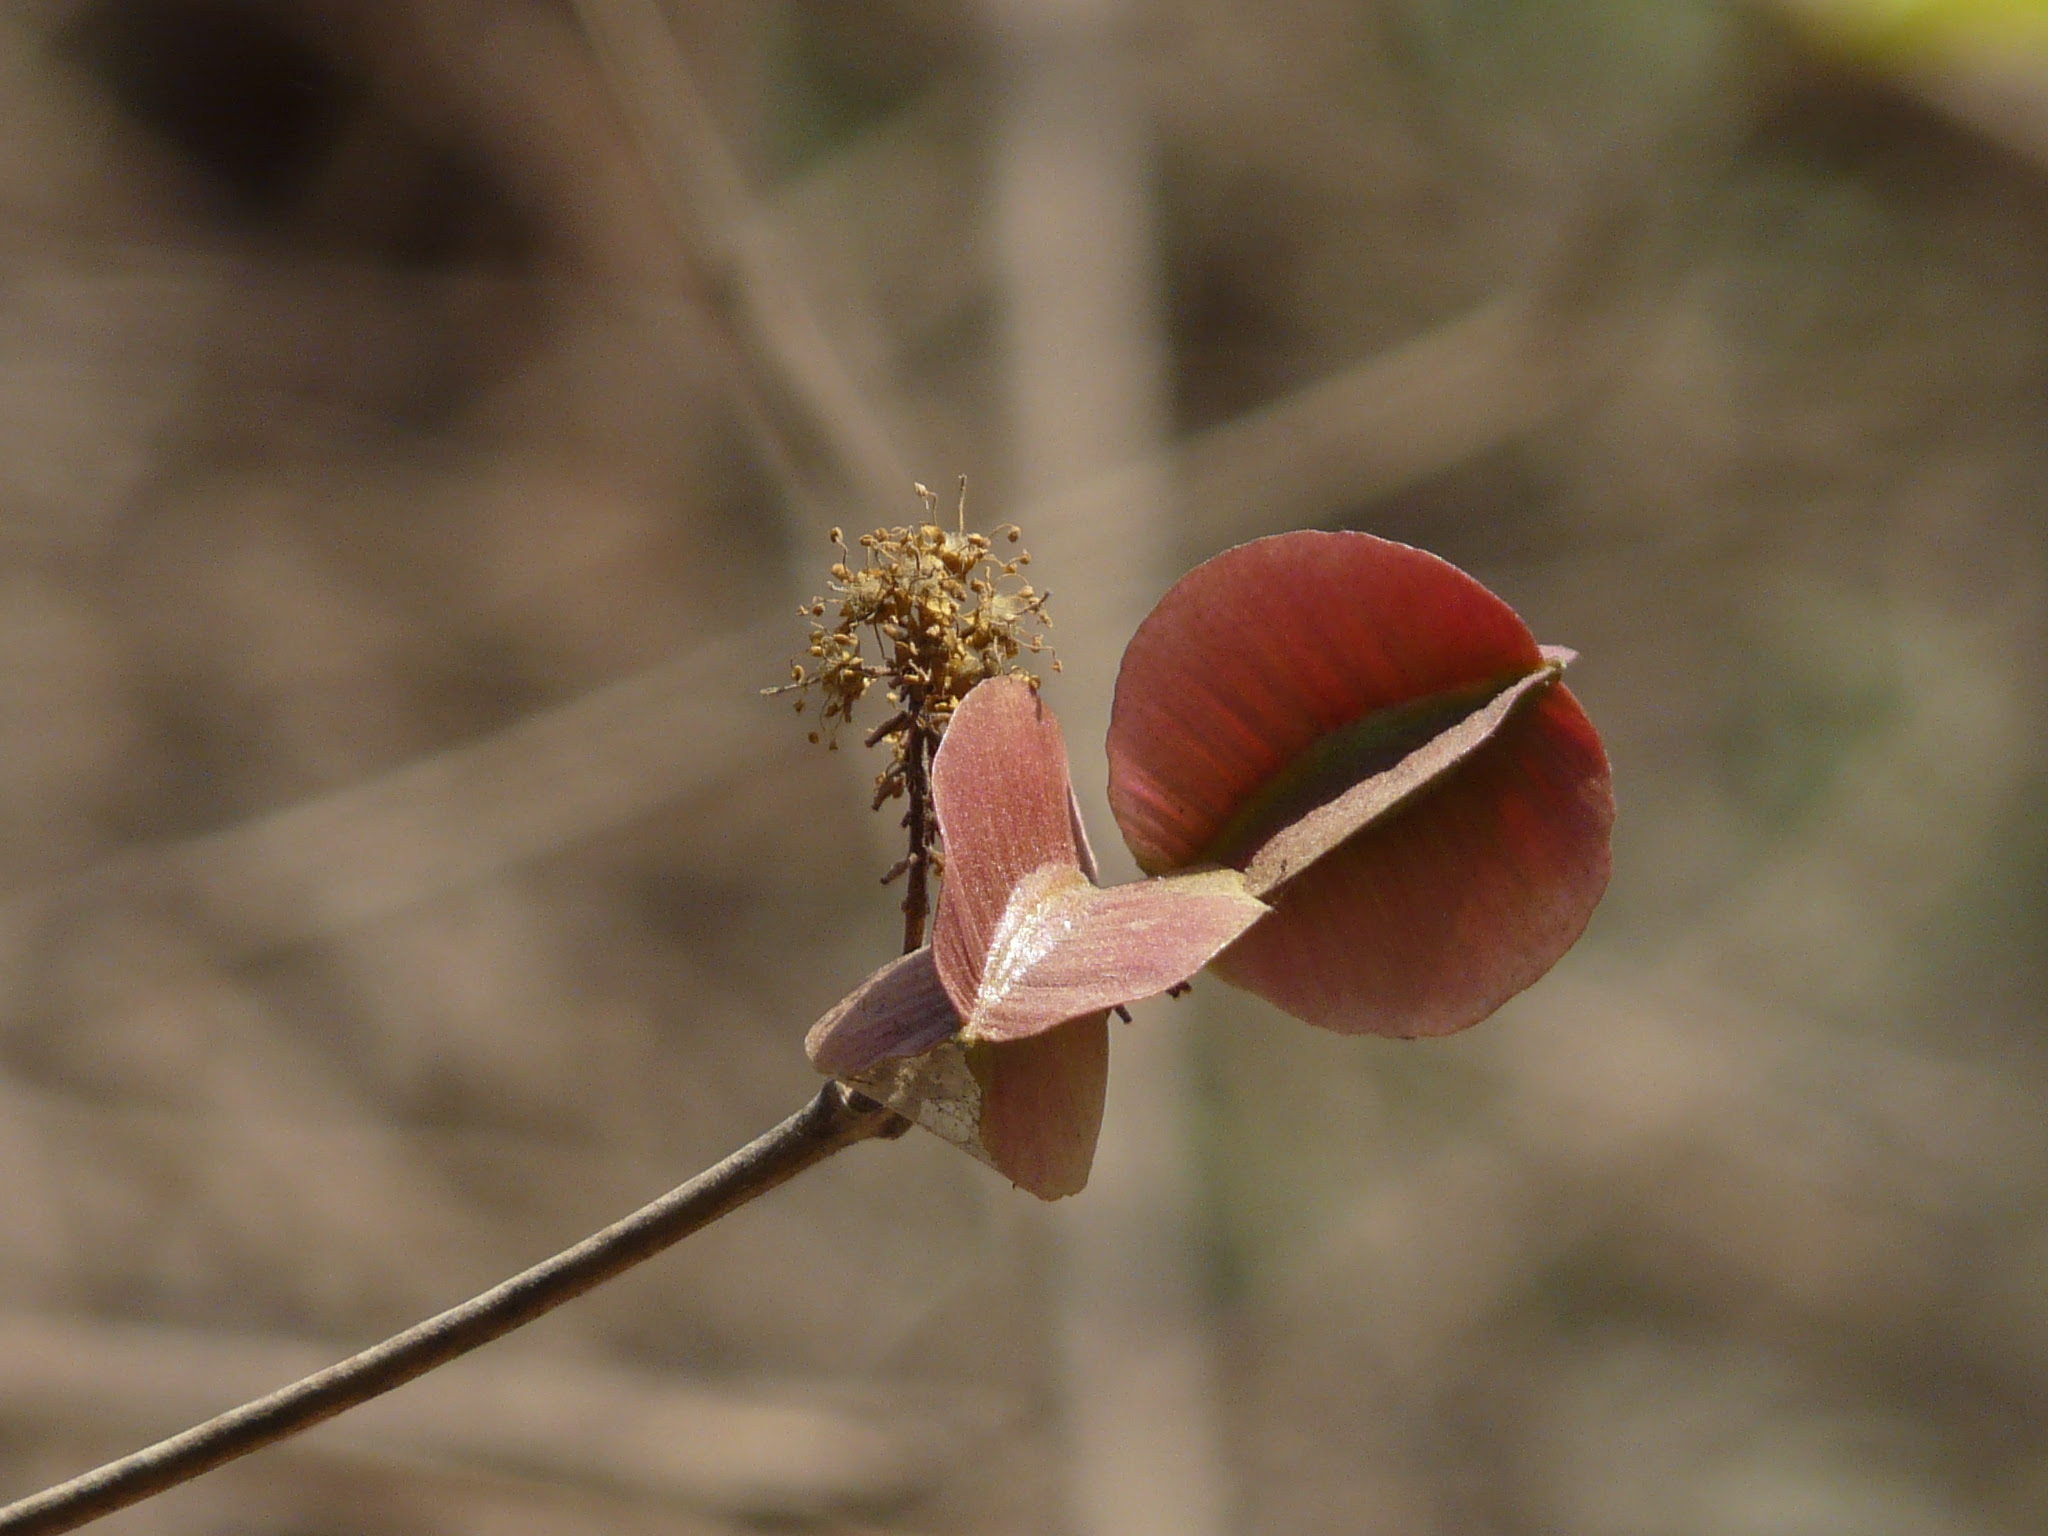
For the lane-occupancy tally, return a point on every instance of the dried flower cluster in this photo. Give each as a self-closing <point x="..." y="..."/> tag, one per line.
<point x="943" y="612"/>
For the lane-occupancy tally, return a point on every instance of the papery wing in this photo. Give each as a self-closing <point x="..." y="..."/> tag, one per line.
<point x="1001" y="791"/>
<point x="1031" y="1109"/>
<point x="1064" y="947"/>
<point x="937" y="1090"/>
<point x="1255" y="656"/>
<point x="901" y="1010"/>
<point x="1457" y="900"/>
<point x="1042" y="1101"/>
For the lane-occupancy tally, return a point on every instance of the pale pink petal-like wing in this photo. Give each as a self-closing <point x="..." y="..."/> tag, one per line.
<point x="1041" y="1107"/>
<point x="1257" y="655"/>
<point x="1000" y="787"/>
<point x="1457" y="900"/>
<point x="1299" y="843"/>
<point x="901" y="1010"/>
<point x="1064" y="947"/>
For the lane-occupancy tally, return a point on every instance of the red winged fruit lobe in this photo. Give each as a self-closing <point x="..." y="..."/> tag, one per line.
<point x="1378" y="742"/>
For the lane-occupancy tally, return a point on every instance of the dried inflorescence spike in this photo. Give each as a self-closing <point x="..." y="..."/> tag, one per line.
<point x="926" y="611"/>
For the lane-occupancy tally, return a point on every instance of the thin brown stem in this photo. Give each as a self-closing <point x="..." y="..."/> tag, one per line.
<point x="835" y="1119"/>
<point x="918" y="818"/>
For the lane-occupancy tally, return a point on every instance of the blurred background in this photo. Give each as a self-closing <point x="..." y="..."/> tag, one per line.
<point x="419" y="421"/>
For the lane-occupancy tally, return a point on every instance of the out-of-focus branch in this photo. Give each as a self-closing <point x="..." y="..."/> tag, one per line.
<point x="1400" y="416"/>
<point x="1454" y="392"/>
<point x="797" y="1450"/>
<point x="1087" y="359"/>
<point x="446" y="821"/>
<point x="834" y="1120"/>
<point x="1995" y="85"/>
<point x="570" y="772"/>
<point x="793" y="376"/>
<point x="564" y="774"/>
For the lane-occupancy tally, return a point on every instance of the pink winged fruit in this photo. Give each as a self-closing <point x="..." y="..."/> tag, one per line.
<point x="1378" y="743"/>
<point x="1347" y="729"/>
<point x="996" y="1035"/>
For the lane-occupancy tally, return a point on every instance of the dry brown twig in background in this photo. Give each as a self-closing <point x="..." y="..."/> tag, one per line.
<point x="834" y="1120"/>
<point x="826" y="425"/>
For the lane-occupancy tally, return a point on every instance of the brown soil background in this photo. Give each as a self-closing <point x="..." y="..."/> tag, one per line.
<point x="411" y="457"/>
